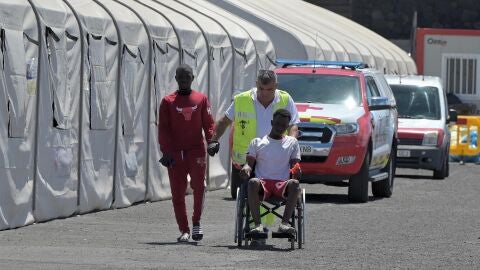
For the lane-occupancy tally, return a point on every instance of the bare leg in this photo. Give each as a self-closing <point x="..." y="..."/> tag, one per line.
<point x="254" y="186"/>
<point x="293" y="189"/>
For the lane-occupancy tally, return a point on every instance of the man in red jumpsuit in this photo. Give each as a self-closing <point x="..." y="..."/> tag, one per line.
<point x="182" y="117"/>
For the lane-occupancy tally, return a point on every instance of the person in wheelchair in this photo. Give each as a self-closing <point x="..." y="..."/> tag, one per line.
<point x="276" y="158"/>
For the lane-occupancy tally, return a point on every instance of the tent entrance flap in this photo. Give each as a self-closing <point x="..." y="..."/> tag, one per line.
<point x="102" y="82"/>
<point x="59" y="49"/>
<point x="20" y="86"/>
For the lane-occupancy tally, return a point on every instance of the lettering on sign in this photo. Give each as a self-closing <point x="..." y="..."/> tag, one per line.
<point x="433" y="41"/>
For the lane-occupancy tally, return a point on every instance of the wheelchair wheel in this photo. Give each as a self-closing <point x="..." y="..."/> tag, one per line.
<point x="239" y="217"/>
<point x="301" y="220"/>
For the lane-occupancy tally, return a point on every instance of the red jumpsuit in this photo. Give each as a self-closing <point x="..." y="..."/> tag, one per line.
<point x="181" y="121"/>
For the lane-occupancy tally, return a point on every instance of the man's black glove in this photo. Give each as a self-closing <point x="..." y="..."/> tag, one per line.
<point x="213" y="148"/>
<point x="166" y="161"/>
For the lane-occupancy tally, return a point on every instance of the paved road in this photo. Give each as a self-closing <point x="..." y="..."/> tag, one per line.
<point x="427" y="224"/>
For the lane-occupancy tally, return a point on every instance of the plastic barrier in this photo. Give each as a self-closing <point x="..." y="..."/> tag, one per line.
<point x="463" y="140"/>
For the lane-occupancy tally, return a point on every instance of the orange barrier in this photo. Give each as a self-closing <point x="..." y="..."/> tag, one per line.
<point x="463" y="140"/>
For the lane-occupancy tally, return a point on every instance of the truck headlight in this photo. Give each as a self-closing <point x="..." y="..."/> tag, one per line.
<point x="346" y="128"/>
<point x="430" y="138"/>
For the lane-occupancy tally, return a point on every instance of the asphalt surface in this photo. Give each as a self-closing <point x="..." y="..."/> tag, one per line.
<point x="426" y="224"/>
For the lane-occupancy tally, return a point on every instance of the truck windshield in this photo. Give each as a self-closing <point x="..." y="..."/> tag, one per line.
<point x="319" y="88"/>
<point x="417" y="102"/>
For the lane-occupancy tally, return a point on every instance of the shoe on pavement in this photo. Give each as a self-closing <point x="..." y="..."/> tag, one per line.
<point x="183" y="238"/>
<point x="286" y="228"/>
<point x="197" y="232"/>
<point x="258" y="229"/>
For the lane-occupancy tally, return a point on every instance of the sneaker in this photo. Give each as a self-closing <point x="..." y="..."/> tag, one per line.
<point x="258" y="229"/>
<point x="184" y="237"/>
<point x="197" y="232"/>
<point x="286" y="228"/>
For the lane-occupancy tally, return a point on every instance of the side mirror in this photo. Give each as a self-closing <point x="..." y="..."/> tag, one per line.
<point x="452" y="116"/>
<point x="379" y="103"/>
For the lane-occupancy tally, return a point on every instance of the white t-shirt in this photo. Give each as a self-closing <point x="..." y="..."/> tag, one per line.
<point x="265" y="115"/>
<point x="273" y="156"/>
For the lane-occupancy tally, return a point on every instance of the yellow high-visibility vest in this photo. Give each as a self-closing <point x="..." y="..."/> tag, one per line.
<point x="245" y="122"/>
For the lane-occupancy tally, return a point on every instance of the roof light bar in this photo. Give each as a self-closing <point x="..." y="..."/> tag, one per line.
<point x="298" y="62"/>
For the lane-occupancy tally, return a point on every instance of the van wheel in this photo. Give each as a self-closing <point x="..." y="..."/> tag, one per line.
<point x="384" y="188"/>
<point x="358" y="183"/>
<point x="447" y="156"/>
<point x="443" y="172"/>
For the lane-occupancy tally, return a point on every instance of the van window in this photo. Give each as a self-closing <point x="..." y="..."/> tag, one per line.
<point x="417" y="102"/>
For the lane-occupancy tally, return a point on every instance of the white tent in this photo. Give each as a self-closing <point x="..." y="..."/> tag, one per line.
<point x="211" y="60"/>
<point x="245" y="64"/>
<point x="347" y="32"/>
<point x="321" y="34"/>
<point x="101" y="60"/>
<point x="250" y="42"/>
<point x="133" y="95"/>
<point x="164" y="59"/>
<point x="19" y="53"/>
<point x="56" y="181"/>
<point x="98" y="69"/>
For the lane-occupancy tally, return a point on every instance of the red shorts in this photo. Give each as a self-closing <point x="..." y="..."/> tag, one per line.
<point x="274" y="188"/>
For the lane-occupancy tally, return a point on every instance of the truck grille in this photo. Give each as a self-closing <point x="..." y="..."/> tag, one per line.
<point x="410" y="141"/>
<point x="321" y="134"/>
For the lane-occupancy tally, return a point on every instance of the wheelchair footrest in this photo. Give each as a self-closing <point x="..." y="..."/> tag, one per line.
<point x="252" y="235"/>
<point x="282" y="235"/>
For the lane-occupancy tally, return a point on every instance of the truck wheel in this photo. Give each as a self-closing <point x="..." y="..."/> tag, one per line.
<point x="384" y="188"/>
<point x="358" y="183"/>
<point x="443" y="171"/>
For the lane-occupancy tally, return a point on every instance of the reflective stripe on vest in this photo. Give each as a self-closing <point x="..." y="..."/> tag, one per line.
<point x="245" y="122"/>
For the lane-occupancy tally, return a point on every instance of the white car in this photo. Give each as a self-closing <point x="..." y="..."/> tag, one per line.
<point x="423" y="118"/>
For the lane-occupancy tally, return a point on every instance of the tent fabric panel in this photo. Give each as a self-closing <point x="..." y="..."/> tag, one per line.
<point x="18" y="97"/>
<point x="243" y="43"/>
<point x="57" y="171"/>
<point x="165" y="61"/>
<point x="193" y="51"/>
<point x="278" y="35"/>
<point x="102" y="79"/>
<point x="191" y="44"/>
<point x="97" y="147"/>
<point x="219" y="71"/>
<point x="16" y="190"/>
<point x="262" y="44"/>
<point x="131" y="158"/>
<point x="338" y="25"/>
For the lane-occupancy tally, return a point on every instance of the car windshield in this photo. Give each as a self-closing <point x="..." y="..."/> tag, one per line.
<point x="320" y="88"/>
<point x="417" y="102"/>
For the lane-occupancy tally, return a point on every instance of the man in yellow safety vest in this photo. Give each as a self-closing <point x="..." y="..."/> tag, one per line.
<point x="251" y="113"/>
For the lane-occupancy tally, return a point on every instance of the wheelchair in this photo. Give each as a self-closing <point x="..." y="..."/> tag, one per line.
<point x="244" y="221"/>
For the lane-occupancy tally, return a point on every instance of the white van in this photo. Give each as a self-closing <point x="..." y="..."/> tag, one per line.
<point x="423" y="118"/>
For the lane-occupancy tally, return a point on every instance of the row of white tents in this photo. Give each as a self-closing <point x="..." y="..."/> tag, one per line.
<point x="81" y="82"/>
<point x="304" y="31"/>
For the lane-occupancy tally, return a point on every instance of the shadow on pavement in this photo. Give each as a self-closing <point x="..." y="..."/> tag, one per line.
<point x="256" y="248"/>
<point x="171" y="243"/>
<point x="424" y="177"/>
<point x="333" y="198"/>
